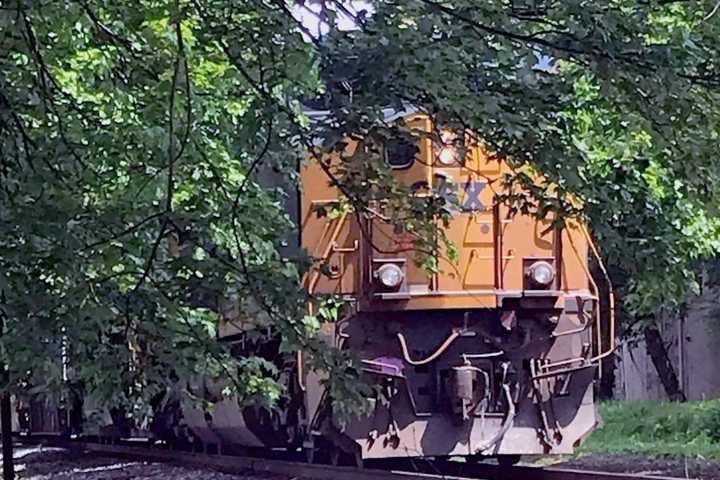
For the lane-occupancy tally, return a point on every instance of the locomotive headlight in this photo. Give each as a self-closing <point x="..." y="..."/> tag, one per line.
<point x="446" y="155"/>
<point x="446" y="152"/>
<point x="391" y="276"/>
<point x="542" y="273"/>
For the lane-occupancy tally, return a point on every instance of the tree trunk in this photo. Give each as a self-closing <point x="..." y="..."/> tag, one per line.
<point x="5" y="410"/>
<point x="666" y="372"/>
<point x="7" y="441"/>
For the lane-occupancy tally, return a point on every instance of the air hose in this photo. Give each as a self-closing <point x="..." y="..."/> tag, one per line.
<point x="441" y="349"/>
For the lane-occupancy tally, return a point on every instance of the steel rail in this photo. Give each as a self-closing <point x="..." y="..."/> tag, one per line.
<point x="383" y="470"/>
<point x="488" y="471"/>
<point x="239" y="465"/>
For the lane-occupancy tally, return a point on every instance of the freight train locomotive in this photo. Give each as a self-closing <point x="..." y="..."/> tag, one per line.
<point x="494" y="356"/>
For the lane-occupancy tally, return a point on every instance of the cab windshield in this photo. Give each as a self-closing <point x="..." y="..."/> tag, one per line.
<point x="400" y="153"/>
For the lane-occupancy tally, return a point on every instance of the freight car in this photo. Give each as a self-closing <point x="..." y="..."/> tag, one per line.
<point x="495" y="355"/>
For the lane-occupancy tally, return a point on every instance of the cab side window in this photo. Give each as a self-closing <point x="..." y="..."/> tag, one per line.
<point x="400" y="153"/>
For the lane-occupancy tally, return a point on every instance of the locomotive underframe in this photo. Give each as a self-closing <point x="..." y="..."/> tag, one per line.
<point x="518" y="406"/>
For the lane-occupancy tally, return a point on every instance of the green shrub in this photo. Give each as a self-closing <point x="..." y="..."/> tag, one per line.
<point x="658" y="428"/>
<point x="712" y="423"/>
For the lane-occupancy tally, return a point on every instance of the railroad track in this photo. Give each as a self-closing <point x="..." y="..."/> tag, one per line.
<point x="418" y="470"/>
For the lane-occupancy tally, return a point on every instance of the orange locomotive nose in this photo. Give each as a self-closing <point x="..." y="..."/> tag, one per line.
<point x="501" y="331"/>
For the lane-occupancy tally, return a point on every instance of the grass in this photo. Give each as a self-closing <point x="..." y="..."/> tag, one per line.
<point x="658" y="428"/>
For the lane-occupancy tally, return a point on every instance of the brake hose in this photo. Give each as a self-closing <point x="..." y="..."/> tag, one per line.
<point x="406" y="354"/>
<point x="507" y="423"/>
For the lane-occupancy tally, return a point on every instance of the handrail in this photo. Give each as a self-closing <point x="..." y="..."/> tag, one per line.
<point x="611" y="299"/>
<point x="582" y="327"/>
<point x="601" y="353"/>
<point x="300" y="360"/>
<point x="479" y="356"/>
<point x="398" y="371"/>
<point x="315" y="277"/>
<point x="312" y="283"/>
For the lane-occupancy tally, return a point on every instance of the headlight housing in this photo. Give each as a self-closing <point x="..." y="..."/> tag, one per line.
<point x="446" y="152"/>
<point x="447" y="155"/>
<point x="541" y="273"/>
<point x="390" y="275"/>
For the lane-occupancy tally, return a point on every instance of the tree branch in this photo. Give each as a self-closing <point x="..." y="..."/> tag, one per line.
<point x="126" y="231"/>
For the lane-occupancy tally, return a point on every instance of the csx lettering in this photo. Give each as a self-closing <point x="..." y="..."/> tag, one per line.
<point x="472" y="200"/>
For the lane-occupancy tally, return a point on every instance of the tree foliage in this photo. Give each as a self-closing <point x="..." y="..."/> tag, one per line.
<point x="132" y="128"/>
<point x="127" y="130"/>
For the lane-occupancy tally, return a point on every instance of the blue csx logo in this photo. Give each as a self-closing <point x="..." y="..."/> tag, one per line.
<point x="466" y="195"/>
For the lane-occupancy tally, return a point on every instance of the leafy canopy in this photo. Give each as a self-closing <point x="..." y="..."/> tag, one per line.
<point x="135" y="137"/>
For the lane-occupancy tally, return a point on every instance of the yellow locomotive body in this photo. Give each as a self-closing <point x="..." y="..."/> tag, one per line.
<point x="494" y="356"/>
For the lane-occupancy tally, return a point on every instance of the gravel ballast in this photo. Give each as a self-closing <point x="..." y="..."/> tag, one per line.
<point x="58" y="464"/>
<point x="674" y="466"/>
<point x="43" y="463"/>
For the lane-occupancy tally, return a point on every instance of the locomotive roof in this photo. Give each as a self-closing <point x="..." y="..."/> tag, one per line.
<point x="389" y="114"/>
